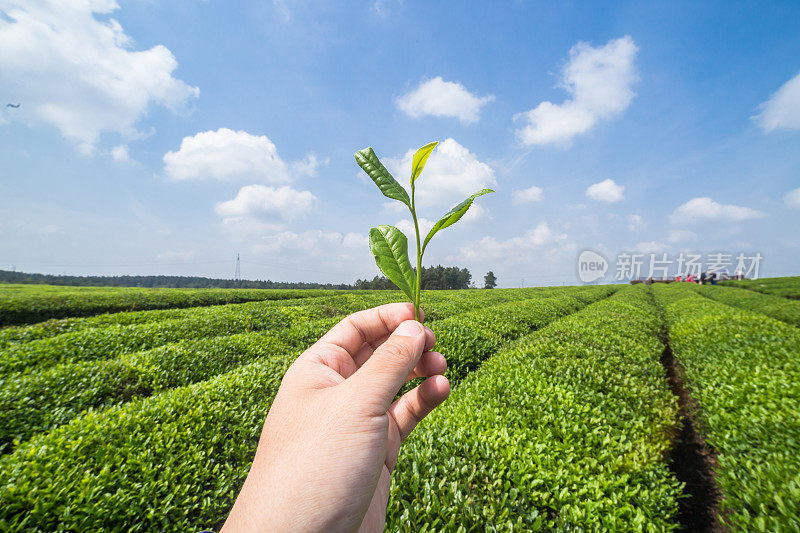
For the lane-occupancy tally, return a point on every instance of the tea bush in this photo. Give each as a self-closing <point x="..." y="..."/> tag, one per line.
<point x="566" y="430"/>
<point x="767" y="304"/>
<point x="743" y="368"/>
<point x="174" y="460"/>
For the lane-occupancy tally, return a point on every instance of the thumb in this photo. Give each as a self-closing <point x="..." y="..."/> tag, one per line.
<point x="382" y="375"/>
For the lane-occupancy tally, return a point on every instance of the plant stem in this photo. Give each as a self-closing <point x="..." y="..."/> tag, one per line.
<point x="417" y="289"/>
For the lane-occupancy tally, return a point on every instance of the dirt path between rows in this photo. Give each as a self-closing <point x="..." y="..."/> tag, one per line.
<point x="692" y="460"/>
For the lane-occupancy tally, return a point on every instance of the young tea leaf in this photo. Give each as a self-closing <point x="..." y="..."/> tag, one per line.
<point x="390" y="248"/>
<point x="453" y="215"/>
<point x="367" y="160"/>
<point x="420" y="158"/>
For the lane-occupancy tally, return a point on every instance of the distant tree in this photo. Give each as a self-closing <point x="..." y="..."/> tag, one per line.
<point x="438" y="277"/>
<point x="489" y="280"/>
<point x="445" y="278"/>
<point x="379" y="283"/>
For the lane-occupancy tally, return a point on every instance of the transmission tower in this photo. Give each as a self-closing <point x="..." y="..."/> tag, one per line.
<point x="237" y="276"/>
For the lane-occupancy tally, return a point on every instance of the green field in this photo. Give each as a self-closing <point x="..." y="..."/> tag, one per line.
<point x="787" y="287"/>
<point x="140" y="409"/>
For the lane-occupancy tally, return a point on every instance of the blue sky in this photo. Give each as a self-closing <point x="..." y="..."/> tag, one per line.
<point x="161" y="137"/>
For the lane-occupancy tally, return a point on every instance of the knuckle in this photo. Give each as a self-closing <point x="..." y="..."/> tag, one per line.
<point x="397" y="351"/>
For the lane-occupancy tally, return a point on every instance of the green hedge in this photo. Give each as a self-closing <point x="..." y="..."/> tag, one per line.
<point x="32" y="402"/>
<point x="743" y="369"/>
<point x="438" y="304"/>
<point x="54" y="327"/>
<point x="469" y="339"/>
<point x="25" y="304"/>
<point x="567" y="430"/>
<point x="787" y="287"/>
<point x="766" y="304"/>
<point x="105" y="342"/>
<point x="174" y="461"/>
<point x="35" y="402"/>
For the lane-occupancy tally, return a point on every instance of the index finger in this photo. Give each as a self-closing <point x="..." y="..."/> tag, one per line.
<point x="370" y="326"/>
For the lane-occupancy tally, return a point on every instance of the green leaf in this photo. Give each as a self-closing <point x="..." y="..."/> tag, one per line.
<point x="367" y="160"/>
<point x="453" y="216"/>
<point x="390" y="248"/>
<point x="420" y="158"/>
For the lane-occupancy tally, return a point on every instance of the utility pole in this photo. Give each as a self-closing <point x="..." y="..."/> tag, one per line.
<point x="237" y="276"/>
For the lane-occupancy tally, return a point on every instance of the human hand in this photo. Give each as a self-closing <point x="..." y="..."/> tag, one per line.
<point x="333" y="433"/>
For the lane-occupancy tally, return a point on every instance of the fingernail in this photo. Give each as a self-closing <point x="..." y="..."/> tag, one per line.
<point x="409" y="328"/>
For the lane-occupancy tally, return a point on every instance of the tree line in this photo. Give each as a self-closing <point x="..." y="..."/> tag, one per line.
<point x="433" y="278"/>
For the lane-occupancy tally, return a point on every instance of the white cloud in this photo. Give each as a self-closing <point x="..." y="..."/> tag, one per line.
<point x="309" y="165"/>
<point x="451" y="175"/>
<point x="243" y="227"/>
<point x="81" y="74"/>
<point x="119" y="153"/>
<point x="226" y="155"/>
<point x="312" y="242"/>
<point x="283" y="9"/>
<point x="605" y="191"/>
<point x="782" y="110"/>
<point x="354" y="240"/>
<point x="442" y="99"/>
<point x="491" y="248"/>
<point x="529" y="195"/>
<point x="259" y="200"/>
<point x="700" y="209"/>
<point x="650" y="247"/>
<point x="407" y="227"/>
<point x="681" y="235"/>
<point x="792" y="198"/>
<point x="599" y="81"/>
<point x="635" y="222"/>
<point x="476" y="212"/>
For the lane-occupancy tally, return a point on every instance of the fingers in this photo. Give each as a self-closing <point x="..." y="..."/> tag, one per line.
<point x="365" y="352"/>
<point x="430" y="364"/>
<point x="382" y="375"/>
<point x="415" y="405"/>
<point x="368" y="326"/>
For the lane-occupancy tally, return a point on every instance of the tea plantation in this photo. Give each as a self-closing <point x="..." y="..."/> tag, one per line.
<point x="140" y="409"/>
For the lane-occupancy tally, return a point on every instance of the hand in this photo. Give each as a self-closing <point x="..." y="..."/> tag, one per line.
<point x="333" y="434"/>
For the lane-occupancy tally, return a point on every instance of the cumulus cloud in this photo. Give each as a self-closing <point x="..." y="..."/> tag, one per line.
<point x="241" y="227"/>
<point x="309" y="165"/>
<point x="311" y="242"/>
<point x="599" y="81"/>
<point x="442" y="99"/>
<point x="634" y="222"/>
<point x="782" y="110"/>
<point x="119" y="153"/>
<point x="605" y="191"/>
<point x="491" y="248"/>
<point x="260" y="200"/>
<point x="476" y="212"/>
<point x="649" y="247"/>
<point x="681" y="235"/>
<point x="706" y="209"/>
<point x="226" y="155"/>
<point x="451" y="174"/>
<point x="524" y="196"/>
<point x="792" y="198"/>
<point x="72" y="67"/>
<point x="407" y="227"/>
